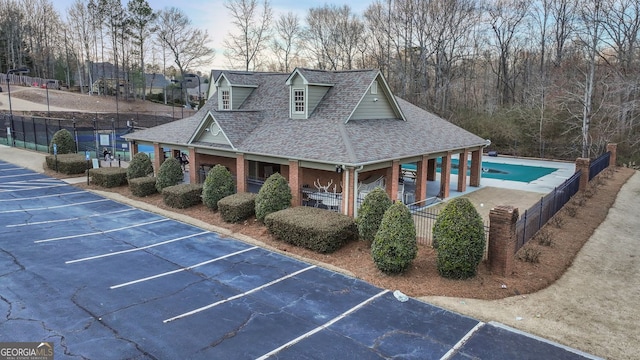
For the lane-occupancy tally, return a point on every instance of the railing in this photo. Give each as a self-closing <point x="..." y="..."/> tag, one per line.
<point x="539" y="214"/>
<point x="598" y="165"/>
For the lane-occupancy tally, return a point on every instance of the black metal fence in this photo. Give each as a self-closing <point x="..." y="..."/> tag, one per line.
<point x="93" y="135"/>
<point x="539" y="214"/>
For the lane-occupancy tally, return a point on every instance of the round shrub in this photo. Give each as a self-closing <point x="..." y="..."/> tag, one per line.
<point x="371" y="212"/>
<point x="459" y="237"/>
<point x="64" y="141"/>
<point x="217" y="185"/>
<point x="274" y="195"/>
<point x="169" y="174"/>
<point x="394" y="246"/>
<point x="140" y="166"/>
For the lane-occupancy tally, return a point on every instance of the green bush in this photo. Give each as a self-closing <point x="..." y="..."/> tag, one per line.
<point x="459" y="235"/>
<point x="316" y="229"/>
<point x="169" y="174"/>
<point x="217" y="185"/>
<point x="69" y="164"/>
<point x="371" y="212"/>
<point x="143" y="186"/>
<point x="108" y="177"/>
<point x="274" y="195"/>
<point x="182" y="196"/>
<point x="237" y="207"/>
<point x="140" y="166"/>
<point x="394" y="246"/>
<point x="64" y="141"/>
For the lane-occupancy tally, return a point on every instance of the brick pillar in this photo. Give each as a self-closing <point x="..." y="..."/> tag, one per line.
<point x="294" y="182"/>
<point x="421" y="179"/>
<point x="241" y="173"/>
<point x="462" y="170"/>
<point x="476" y="168"/>
<point x="445" y="176"/>
<point x="133" y="148"/>
<point x="502" y="239"/>
<point x="352" y="188"/>
<point x="432" y="167"/>
<point x="613" y="149"/>
<point x="158" y="159"/>
<point x="394" y="175"/>
<point x="193" y="170"/>
<point x="582" y="166"/>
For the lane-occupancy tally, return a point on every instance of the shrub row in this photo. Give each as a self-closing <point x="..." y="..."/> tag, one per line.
<point x="312" y="228"/>
<point x="108" y="177"/>
<point x="68" y="164"/>
<point x="182" y="196"/>
<point x="237" y="207"/>
<point x="143" y="186"/>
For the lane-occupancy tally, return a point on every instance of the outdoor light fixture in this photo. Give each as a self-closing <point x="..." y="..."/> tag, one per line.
<point x="339" y="169"/>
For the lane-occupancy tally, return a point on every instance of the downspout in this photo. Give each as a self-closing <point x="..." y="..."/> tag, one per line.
<point x="355" y="192"/>
<point x="346" y="193"/>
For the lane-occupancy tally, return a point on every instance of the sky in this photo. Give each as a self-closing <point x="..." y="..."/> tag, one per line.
<point x="213" y="16"/>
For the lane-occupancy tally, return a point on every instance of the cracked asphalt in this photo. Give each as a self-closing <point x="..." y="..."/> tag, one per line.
<point x="103" y="280"/>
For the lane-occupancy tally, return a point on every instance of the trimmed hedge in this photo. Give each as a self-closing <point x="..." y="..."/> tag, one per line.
<point x="182" y="196"/>
<point x="143" y="186"/>
<point x="217" y="185"/>
<point x="395" y="247"/>
<point x="169" y="174"/>
<point x="237" y="207"/>
<point x="371" y="213"/>
<point x="315" y="229"/>
<point x="459" y="235"/>
<point x="108" y="177"/>
<point x="274" y="195"/>
<point x="140" y="166"/>
<point x="68" y="164"/>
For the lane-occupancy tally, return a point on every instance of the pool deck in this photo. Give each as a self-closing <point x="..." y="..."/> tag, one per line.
<point x="542" y="185"/>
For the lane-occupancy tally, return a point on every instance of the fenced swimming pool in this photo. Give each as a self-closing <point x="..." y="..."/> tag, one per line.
<point x="502" y="171"/>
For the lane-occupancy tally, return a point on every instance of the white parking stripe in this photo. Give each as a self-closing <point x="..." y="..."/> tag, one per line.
<point x="99" y="232"/>
<point x="19" y="175"/>
<point x="324" y="326"/>
<point x="71" y="219"/>
<point x="134" y="249"/>
<point x="54" y="207"/>
<point x="182" y="269"/>
<point x="30" y="188"/>
<point x="458" y="345"/>
<point x="44" y="196"/>
<point x="237" y="296"/>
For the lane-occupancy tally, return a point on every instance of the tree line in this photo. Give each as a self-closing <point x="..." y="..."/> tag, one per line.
<point x="551" y="78"/>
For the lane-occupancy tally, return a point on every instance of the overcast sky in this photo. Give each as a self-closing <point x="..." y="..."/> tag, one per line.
<point x="213" y="16"/>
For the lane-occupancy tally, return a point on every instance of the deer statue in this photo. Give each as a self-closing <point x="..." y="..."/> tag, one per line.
<point x="322" y="188"/>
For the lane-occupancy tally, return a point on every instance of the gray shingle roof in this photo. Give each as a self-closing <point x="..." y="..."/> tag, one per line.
<point x="263" y="125"/>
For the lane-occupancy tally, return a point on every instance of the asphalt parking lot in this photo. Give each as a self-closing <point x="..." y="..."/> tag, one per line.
<point x="103" y="280"/>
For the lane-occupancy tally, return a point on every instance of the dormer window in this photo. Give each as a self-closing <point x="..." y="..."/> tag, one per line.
<point x="298" y="101"/>
<point x="226" y="100"/>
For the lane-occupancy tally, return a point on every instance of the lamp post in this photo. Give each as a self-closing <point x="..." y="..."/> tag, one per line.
<point x="13" y="71"/>
<point x="191" y="76"/>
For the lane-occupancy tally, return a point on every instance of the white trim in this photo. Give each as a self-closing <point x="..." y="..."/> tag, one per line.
<point x="294" y="102"/>
<point x="388" y="94"/>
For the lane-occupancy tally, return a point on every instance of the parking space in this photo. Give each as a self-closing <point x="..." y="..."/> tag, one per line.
<point x="104" y="280"/>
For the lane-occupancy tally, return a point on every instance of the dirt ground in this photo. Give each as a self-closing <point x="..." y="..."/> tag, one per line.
<point x="589" y="304"/>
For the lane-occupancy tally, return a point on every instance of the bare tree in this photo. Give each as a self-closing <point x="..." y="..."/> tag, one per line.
<point x="252" y="24"/>
<point x="287" y="42"/>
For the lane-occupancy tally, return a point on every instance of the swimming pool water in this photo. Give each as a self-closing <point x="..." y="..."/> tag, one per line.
<point x="491" y="170"/>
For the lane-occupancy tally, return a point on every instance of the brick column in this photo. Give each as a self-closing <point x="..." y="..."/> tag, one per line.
<point x="158" y="158"/>
<point x="445" y="176"/>
<point x="432" y="167"/>
<point x="582" y="166"/>
<point x="241" y="173"/>
<point x="193" y="170"/>
<point x="476" y="168"/>
<point x="462" y="170"/>
<point x="352" y="191"/>
<point x="133" y="149"/>
<point x="394" y="175"/>
<point x="502" y="239"/>
<point x="421" y="179"/>
<point x="613" y="149"/>
<point x="294" y="182"/>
